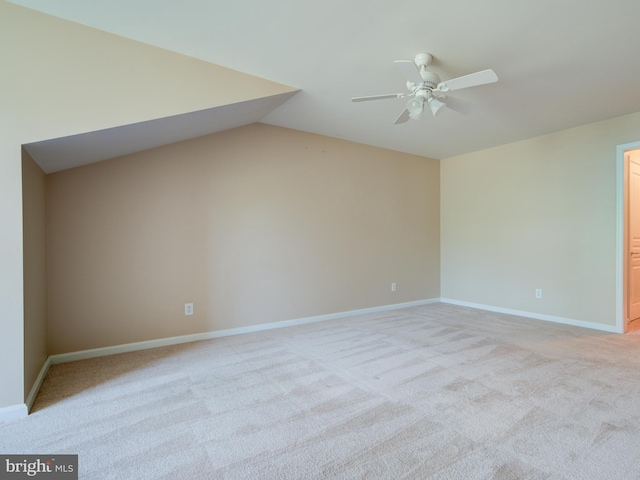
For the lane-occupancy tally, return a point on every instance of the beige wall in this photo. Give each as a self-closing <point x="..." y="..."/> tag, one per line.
<point x="35" y="264"/>
<point x="59" y="78"/>
<point x="535" y="214"/>
<point x="540" y="213"/>
<point x="253" y="225"/>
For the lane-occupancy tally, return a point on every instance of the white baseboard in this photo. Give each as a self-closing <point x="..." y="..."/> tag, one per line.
<point x="19" y="411"/>
<point x="536" y="316"/>
<point x="33" y="393"/>
<point x="13" y="412"/>
<point x="163" y="342"/>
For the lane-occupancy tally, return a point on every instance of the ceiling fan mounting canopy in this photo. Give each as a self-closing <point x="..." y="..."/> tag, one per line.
<point x="423" y="59"/>
<point x="427" y="88"/>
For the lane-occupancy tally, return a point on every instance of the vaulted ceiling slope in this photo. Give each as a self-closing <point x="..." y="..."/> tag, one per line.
<point x="82" y="149"/>
<point x="560" y="64"/>
<point x="76" y="95"/>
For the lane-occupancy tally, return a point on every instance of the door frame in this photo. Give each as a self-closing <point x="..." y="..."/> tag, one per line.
<point x="621" y="281"/>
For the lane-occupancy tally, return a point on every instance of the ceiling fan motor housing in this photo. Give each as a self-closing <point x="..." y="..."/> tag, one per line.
<point x="430" y="79"/>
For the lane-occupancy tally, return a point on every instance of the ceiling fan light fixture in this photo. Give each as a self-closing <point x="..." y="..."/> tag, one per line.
<point x="415" y="106"/>
<point x="435" y="105"/>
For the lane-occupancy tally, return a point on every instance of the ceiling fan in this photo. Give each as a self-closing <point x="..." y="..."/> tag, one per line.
<point x="426" y="88"/>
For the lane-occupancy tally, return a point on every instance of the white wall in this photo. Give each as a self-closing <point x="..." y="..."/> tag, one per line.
<point x="540" y="213"/>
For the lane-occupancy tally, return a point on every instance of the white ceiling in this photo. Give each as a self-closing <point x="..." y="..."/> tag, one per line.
<point x="561" y="63"/>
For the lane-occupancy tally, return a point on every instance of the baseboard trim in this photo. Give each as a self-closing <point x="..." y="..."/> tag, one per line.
<point x="13" y="412"/>
<point x="163" y="342"/>
<point x="19" y="411"/>
<point x="536" y="316"/>
<point x="37" y="384"/>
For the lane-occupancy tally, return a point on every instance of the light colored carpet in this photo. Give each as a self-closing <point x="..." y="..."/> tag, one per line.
<point x="437" y="391"/>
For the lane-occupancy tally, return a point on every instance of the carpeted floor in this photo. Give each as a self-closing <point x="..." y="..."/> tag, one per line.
<point x="437" y="391"/>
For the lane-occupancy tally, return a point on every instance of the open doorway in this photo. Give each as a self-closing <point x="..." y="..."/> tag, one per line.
<point x="628" y="237"/>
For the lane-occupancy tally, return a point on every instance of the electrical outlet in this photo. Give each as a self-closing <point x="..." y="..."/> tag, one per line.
<point x="393" y="287"/>
<point x="188" y="308"/>
<point x="538" y="293"/>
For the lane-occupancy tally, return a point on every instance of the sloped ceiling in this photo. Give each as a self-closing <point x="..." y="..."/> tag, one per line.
<point x="560" y="64"/>
<point x="82" y="149"/>
<point x="73" y="95"/>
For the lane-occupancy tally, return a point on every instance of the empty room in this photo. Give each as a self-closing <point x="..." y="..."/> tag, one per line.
<point x="319" y="240"/>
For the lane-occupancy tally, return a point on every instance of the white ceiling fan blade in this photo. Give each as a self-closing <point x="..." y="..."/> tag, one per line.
<point x="409" y="70"/>
<point x="471" y="80"/>
<point x="458" y="105"/>
<point x="403" y="118"/>
<point x="378" y="97"/>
